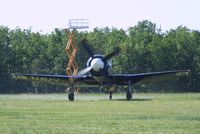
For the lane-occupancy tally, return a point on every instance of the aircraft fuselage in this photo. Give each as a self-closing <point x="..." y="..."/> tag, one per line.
<point x="100" y="68"/>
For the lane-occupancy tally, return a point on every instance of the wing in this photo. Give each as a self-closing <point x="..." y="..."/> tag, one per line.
<point x="88" y="81"/>
<point x="79" y="81"/>
<point x="123" y="79"/>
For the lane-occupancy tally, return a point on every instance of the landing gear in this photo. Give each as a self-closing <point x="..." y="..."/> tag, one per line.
<point x="110" y="97"/>
<point x="71" y="93"/>
<point x="129" y="92"/>
<point x="71" y="96"/>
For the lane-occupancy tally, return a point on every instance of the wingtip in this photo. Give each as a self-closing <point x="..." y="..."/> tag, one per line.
<point x="14" y="75"/>
<point x="183" y="73"/>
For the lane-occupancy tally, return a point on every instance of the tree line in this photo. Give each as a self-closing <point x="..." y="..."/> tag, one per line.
<point x="144" y="48"/>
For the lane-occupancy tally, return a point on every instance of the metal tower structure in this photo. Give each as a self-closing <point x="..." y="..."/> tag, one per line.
<point x="71" y="50"/>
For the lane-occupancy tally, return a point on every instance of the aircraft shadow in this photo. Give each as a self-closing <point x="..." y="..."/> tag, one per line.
<point x="136" y="99"/>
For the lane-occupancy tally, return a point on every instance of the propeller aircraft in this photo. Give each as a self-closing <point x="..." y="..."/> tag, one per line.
<point x="98" y="73"/>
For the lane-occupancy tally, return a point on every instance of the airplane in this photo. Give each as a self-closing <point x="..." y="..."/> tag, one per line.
<point x="98" y="73"/>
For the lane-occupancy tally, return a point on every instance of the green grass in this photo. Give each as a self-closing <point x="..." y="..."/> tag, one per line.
<point x="93" y="114"/>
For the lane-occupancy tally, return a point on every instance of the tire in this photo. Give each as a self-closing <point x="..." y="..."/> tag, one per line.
<point x="71" y="96"/>
<point x="128" y="95"/>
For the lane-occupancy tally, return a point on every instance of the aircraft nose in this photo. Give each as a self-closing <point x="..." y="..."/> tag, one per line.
<point x="97" y="64"/>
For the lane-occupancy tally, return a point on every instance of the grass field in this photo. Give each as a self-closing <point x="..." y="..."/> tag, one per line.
<point x="94" y="113"/>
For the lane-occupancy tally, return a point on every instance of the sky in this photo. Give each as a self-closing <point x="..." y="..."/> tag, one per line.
<point x="46" y="15"/>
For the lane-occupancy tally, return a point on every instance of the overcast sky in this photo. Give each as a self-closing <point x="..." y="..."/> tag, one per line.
<point x="45" y="15"/>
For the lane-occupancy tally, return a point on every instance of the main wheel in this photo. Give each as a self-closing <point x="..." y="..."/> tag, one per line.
<point x="71" y="96"/>
<point x="129" y="91"/>
<point x="110" y="97"/>
<point x="128" y="95"/>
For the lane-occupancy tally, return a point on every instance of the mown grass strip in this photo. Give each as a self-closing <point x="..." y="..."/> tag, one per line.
<point x="162" y="113"/>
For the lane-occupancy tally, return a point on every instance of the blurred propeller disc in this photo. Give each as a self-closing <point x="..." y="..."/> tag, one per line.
<point x="85" y="45"/>
<point x="110" y="55"/>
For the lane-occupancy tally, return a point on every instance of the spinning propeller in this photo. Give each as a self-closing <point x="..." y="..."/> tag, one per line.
<point x="96" y="63"/>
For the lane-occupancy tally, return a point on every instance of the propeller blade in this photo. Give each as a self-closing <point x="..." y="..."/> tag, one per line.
<point x="84" y="71"/>
<point x="110" y="55"/>
<point x="85" y="45"/>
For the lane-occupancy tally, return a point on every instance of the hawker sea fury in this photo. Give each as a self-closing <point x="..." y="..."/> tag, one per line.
<point x="98" y="73"/>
